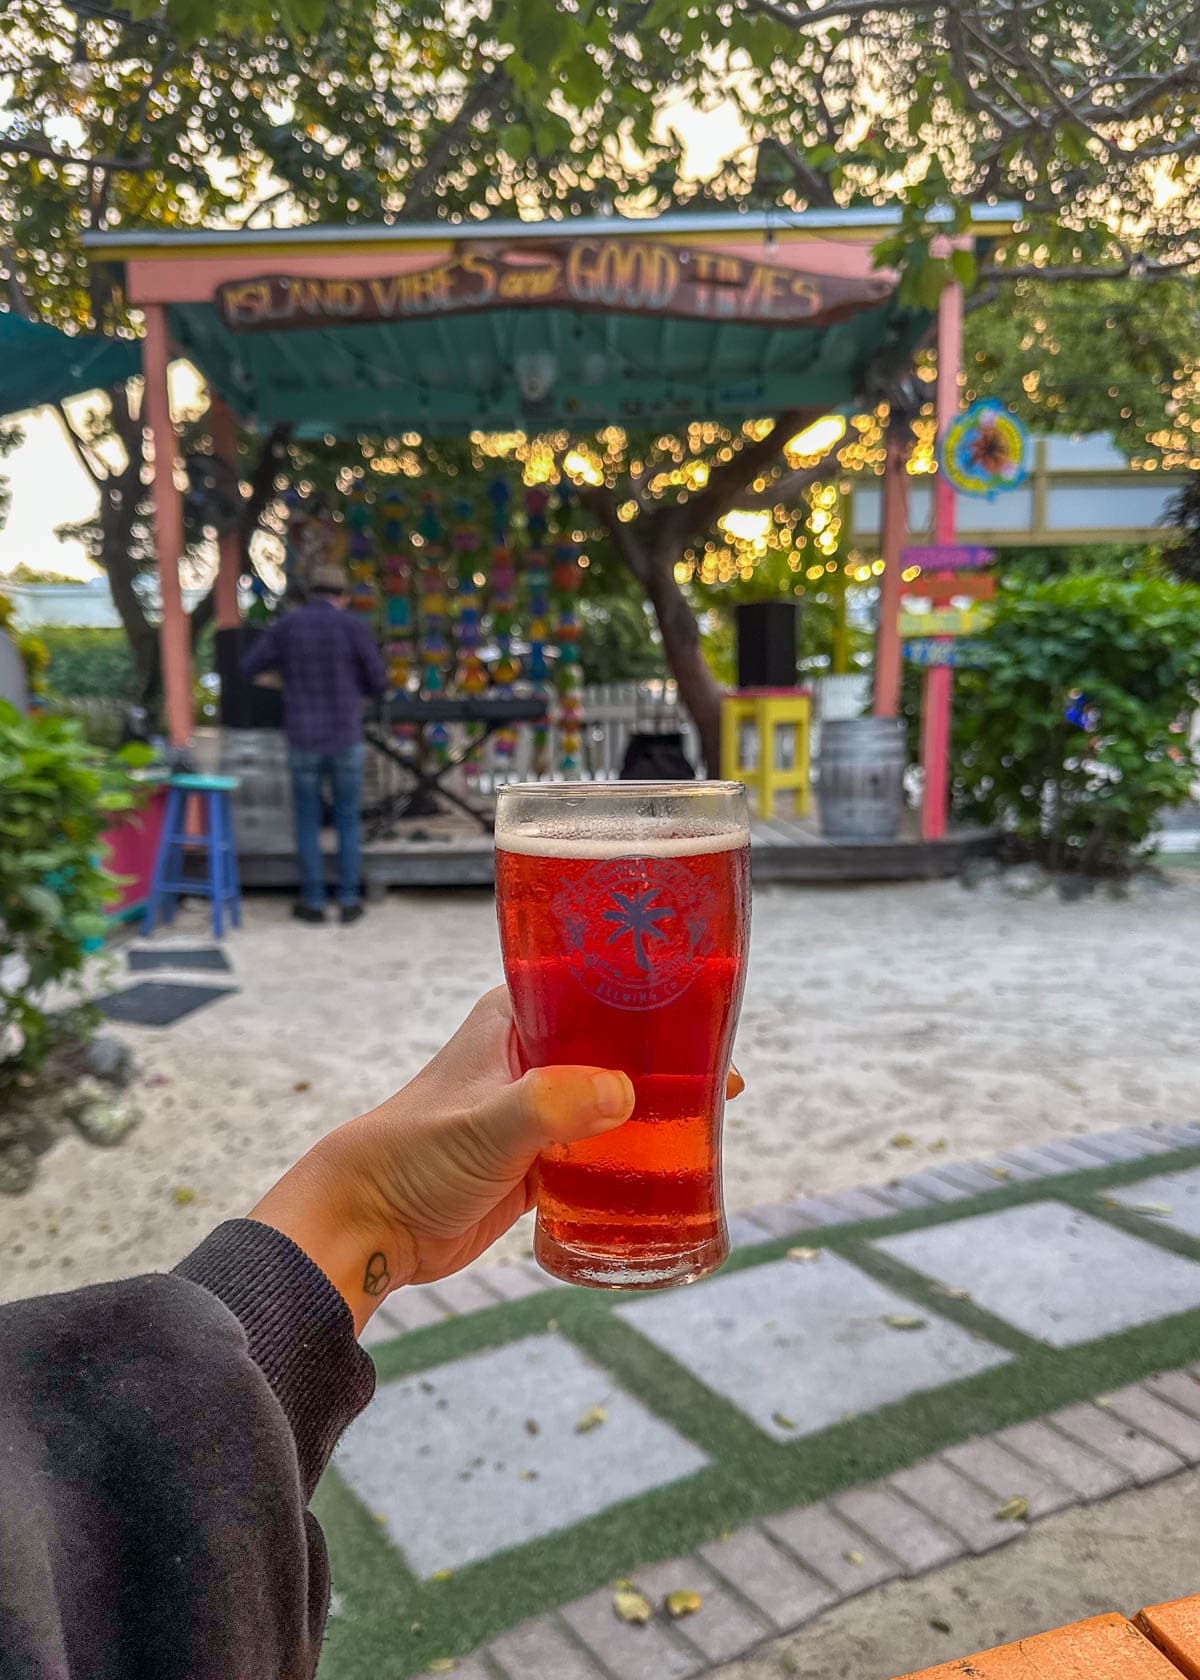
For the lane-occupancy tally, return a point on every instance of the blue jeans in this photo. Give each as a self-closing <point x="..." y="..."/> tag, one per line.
<point x="345" y="772"/>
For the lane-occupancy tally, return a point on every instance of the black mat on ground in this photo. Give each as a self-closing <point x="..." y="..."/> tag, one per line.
<point x="158" y="1003"/>
<point x="209" y="958"/>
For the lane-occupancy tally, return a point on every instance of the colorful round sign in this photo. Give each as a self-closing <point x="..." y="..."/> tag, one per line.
<point x="985" y="450"/>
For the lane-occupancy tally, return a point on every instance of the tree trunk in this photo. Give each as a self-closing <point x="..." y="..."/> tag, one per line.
<point x="117" y="517"/>
<point x="681" y="645"/>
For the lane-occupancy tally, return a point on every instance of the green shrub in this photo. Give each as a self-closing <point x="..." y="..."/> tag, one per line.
<point x="88" y="663"/>
<point x="55" y="797"/>
<point x="1087" y="796"/>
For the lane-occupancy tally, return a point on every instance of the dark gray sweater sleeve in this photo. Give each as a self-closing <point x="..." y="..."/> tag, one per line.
<point x="159" y="1440"/>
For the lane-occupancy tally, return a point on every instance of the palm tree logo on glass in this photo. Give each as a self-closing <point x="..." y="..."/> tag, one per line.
<point x="637" y="916"/>
<point x="635" y="930"/>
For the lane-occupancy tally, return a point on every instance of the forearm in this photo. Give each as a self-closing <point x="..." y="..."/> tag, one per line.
<point x="316" y="1205"/>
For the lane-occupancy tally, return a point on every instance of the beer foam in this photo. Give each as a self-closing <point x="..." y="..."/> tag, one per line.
<point x="667" y="839"/>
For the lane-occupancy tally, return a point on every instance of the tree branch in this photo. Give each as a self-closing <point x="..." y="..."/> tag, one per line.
<point x="32" y="148"/>
<point x="727" y="481"/>
<point x="476" y="101"/>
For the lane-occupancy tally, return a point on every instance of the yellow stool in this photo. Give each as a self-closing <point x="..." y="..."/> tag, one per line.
<point x="764" y="743"/>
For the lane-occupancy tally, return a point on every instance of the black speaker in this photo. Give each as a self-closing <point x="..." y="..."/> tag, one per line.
<point x="766" y="644"/>
<point x="244" y="705"/>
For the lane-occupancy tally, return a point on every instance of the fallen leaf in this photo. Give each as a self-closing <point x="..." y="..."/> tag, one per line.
<point x="849" y="1417"/>
<point x="804" y="1254"/>
<point x="856" y="1558"/>
<point x="632" y="1606"/>
<point x="442" y="1575"/>
<point x="937" y="1146"/>
<point x="1102" y="1400"/>
<point x="442" y="1665"/>
<point x="1160" y="1210"/>
<point x="552" y="1324"/>
<point x="999" y="1172"/>
<point x="302" y="1085"/>
<point x="591" y="1419"/>
<point x="950" y="1292"/>
<point x="527" y="1475"/>
<point x="532" y="1426"/>
<point x="682" y="1603"/>
<point x="939" y="1625"/>
<point x="782" y="1419"/>
<point x="905" y="1321"/>
<point x="182" y="1196"/>
<point x="1015" y="1509"/>
<point x="789" y="1662"/>
<point x="902" y="1140"/>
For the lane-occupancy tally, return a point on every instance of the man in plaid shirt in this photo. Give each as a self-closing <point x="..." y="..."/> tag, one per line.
<point x="329" y="663"/>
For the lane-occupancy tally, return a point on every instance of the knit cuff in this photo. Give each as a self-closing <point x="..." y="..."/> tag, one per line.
<point x="299" y="1331"/>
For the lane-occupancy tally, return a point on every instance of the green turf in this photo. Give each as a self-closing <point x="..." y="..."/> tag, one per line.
<point x="392" y="1624"/>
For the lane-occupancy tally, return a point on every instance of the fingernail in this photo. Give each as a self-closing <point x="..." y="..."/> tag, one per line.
<point x="613" y="1093"/>
<point x="737" y="1083"/>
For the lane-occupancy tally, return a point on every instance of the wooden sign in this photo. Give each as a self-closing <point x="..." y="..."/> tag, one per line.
<point x="940" y="586"/>
<point x="638" y="276"/>
<point x="946" y="557"/>
<point x="962" y="654"/>
<point x="952" y="621"/>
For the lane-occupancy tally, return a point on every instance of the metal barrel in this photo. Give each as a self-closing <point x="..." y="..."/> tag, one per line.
<point x="862" y="766"/>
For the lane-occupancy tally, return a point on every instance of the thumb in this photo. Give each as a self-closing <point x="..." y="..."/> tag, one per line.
<point x="554" y="1105"/>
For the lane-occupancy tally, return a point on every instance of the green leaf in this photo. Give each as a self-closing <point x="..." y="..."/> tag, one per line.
<point x="46" y="905"/>
<point x="965" y="267"/>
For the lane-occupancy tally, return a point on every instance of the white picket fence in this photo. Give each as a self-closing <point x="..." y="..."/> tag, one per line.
<point x="612" y="712"/>
<point x="615" y="711"/>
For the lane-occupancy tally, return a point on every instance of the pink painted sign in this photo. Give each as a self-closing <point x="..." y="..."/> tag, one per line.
<point x="946" y="557"/>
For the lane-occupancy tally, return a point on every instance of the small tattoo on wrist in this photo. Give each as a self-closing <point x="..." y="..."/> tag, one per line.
<point x="377" y="1278"/>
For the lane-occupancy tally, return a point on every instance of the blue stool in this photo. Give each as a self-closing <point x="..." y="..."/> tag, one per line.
<point x="220" y="885"/>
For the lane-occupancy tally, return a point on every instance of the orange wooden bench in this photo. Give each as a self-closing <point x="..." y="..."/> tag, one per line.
<point x="1162" y="1643"/>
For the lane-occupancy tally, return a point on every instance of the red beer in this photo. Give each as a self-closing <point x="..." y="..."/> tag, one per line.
<point x="624" y="919"/>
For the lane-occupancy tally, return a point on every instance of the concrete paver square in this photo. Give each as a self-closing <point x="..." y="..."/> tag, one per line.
<point x="1178" y="1192"/>
<point x="1052" y="1272"/>
<point x="482" y="1454"/>
<point x="796" y="1347"/>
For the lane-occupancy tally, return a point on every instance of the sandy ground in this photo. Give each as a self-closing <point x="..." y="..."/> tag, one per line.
<point x="969" y="1020"/>
<point x="1135" y="1550"/>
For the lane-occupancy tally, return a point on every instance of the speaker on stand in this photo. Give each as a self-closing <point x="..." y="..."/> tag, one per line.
<point x="767" y="633"/>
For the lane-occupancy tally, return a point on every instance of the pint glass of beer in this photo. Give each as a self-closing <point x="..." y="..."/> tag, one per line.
<point x="624" y="919"/>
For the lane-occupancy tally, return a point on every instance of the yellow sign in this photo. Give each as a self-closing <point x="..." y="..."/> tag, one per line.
<point x="965" y="621"/>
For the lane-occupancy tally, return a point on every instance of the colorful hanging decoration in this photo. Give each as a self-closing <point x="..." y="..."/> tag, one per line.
<point x="564" y="584"/>
<point x="434" y="613"/>
<point x="360" y="550"/>
<point x="537" y="604"/>
<point x="985" y="450"/>
<point x="470" y="677"/>
<point x="503" y="603"/>
<point x="396" y="569"/>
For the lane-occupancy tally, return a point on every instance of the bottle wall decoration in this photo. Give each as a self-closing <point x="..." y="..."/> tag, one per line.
<point x="360" y="551"/>
<point x="469" y="674"/>
<point x="503" y="609"/>
<point x="537" y="603"/>
<point x="396" y="569"/>
<point x="565" y="579"/>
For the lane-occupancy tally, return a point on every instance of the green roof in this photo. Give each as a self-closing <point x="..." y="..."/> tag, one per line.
<point x="446" y="378"/>
<point x="39" y="364"/>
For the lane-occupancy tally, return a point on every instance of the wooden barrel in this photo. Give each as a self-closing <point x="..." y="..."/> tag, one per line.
<point x="862" y="778"/>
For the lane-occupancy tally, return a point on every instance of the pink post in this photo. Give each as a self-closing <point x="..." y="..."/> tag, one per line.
<point x="895" y="529"/>
<point x="168" y="527"/>
<point x="223" y="431"/>
<point x="936" y="694"/>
